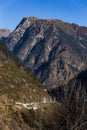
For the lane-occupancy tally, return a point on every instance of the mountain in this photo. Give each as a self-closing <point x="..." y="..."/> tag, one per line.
<point x="55" y="51"/>
<point x="4" y="33"/>
<point x="24" y="103"/>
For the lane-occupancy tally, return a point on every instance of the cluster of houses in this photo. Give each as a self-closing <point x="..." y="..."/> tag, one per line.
<point x="33" y="105"/>
<point x="21" y="105"/>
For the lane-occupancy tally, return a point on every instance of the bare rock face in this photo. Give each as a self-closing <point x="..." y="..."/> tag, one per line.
<point x="53" y="50"/>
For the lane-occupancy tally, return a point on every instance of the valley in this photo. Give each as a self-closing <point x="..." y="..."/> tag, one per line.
<point x="43" y="76"/>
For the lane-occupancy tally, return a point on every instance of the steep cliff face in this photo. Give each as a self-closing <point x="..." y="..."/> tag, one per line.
<point x="55" y="51"/>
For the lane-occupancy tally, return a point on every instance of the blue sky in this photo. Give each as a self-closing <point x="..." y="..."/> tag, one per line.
<point x="12" y="11"/>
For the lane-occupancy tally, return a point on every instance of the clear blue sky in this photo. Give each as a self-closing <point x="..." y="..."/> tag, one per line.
<point x="12" y="11"/>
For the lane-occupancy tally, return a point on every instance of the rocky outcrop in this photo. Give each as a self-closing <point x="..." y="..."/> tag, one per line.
<point x="4" y="33"/>
<point x="53" y="50"/>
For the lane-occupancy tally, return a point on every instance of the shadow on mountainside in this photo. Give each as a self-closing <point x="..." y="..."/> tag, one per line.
<point x="72" y="96"/>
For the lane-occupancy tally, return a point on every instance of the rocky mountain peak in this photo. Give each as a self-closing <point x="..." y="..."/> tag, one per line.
<point x="20" y="30"/>
<point x="52" y="49"/>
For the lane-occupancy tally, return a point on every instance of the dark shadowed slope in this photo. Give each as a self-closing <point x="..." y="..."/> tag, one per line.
<point x="74" y="100"/>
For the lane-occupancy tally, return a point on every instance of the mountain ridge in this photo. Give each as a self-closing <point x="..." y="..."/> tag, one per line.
<point x="50" y="48"/>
